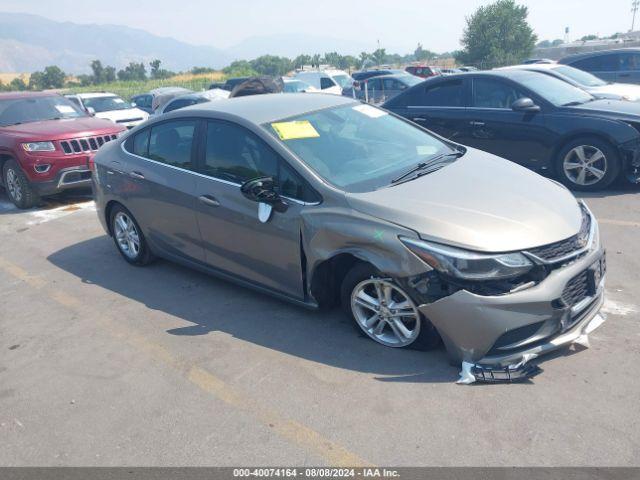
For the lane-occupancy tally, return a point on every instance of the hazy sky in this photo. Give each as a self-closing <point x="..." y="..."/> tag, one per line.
<point x="400" y="24"/>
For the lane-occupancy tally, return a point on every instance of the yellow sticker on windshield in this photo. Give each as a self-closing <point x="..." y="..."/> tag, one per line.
<point x="295" y="130"/>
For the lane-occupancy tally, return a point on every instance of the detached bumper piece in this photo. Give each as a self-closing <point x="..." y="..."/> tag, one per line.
<point x="499" y="374"/>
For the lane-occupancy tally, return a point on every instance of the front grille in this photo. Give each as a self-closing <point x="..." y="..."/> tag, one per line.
<point x="84" y="145"/>
<point x="559" y="250"/>
<point x="576" y="290"/>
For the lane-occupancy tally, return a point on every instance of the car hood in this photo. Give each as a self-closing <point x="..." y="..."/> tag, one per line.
<point x="61" y="129"/>
<point x="627" y="90"/>
<point x="615" y="109"/>
<point x="126" y="114"/>
<point x="480" y="202"/>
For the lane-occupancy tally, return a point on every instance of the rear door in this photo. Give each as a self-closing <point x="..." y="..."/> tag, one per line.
<point x="439" y="106"/>
<point x="494" y="127"/>
<point x="235" y="240"/>
<point x="159" y="185"/>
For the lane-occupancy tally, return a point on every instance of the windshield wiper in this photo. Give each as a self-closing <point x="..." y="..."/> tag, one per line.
<point x="429" y="163"/>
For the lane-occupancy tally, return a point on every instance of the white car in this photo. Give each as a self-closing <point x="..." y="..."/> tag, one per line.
<point x="328" y="81"/>
<point x="110" y="107"/>
<point x="294" y="85"/>
<point x="586" y="81"/>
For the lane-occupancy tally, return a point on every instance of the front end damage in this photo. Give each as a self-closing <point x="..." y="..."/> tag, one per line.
<point x="495" y="336"/>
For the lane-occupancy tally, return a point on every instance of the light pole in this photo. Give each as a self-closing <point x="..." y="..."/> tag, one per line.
<point x="634" y="8"/>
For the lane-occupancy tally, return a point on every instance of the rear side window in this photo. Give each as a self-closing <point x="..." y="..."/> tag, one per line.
<point x="599" y="63"/>
<point x="445" y="94"/>
<point x="181" y="103"/>
<point x="326" y="82"/>
<point x="143" y="101"/>
<point x="171" y="143"/>
<point x="141" y="143"/>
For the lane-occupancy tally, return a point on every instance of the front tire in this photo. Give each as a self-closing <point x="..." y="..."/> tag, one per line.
<point x="383" y="311"/>
<point x="128" y="237"/>
<point x="18" y="187"/>
<point x="588" y="164"/>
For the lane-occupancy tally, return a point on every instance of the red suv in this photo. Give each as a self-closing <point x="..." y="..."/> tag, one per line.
<point x="46" y="145"/>
<point x="424" y="71"/>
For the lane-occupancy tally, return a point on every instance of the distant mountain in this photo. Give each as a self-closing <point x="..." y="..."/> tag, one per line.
<point x="293" y="44"/>
<point x="31" y="42"/>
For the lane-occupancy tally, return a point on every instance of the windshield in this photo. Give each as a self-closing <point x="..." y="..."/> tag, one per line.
<point x="343" y="80"/>
<point x="294" y="86"/>
<point x="357" y="148"/>
<point x="580" y="76"/>
<point x="34" y="109"/>
<point x="556" y="91"/>
<point x="106" y="104"/>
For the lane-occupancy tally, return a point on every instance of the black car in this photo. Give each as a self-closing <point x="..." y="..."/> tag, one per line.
<point x="532" y="119"/>
<point x="620" y="65"/>
<point x="381" y="88"/>
<point x="230" y="84"/>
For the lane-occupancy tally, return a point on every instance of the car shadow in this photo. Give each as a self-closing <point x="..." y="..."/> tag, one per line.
<point x="67" y="198"/>
<point x="212" y="305"/>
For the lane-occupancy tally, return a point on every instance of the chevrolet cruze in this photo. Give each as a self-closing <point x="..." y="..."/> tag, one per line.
<point x="320" y="200"/>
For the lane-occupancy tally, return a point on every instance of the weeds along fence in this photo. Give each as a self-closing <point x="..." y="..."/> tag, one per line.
<point x="127" y="89"/>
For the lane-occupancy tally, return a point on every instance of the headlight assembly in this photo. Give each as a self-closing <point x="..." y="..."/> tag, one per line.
<point x="39" y="147"/>
<point x="467" y="265"/>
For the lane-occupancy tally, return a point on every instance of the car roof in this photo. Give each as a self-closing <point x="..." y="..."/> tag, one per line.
<point x="10" y="95"/>
<point x="260" y="109"/>
<point x="96" y="95"/>
<point x="532" y="66"/>
<point x="576" y="56"/>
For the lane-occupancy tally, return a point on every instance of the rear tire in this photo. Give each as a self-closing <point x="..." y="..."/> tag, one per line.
<point x="128" y="237"/>
<point x="18" y="187"/>
<point x="383" y="311"/>
<point x="588" y="164"/>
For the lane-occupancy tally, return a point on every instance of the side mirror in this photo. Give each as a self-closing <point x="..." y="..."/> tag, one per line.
<point x="262" y="190"/>
<point x="524" y="104"/>
<point x="134" y="104"/>
<point x="91" y="111"/>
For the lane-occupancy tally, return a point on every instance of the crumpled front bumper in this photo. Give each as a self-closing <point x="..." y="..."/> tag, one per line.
<point x="473" y="326"/>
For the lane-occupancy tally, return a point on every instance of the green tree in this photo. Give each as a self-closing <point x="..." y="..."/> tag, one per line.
<point x="302" y="60"/>
<point x="51" y="77"/>
<point x="271" y="65"/>
<point x="420" y="54"/>
<point x="497" y="34"/>
<point x="17" y="84"/>
<point x="379" y="56"/>
<point x="589" y="37"/>
<point x="133" y="71"/>
<point x="239" y="68"/>
<point x="158" y="73"/>
<point x="109" y="74"/>
<point x="98" y="71"/>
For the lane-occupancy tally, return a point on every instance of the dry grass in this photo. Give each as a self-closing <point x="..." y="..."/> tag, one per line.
<point x="7" y="77"/>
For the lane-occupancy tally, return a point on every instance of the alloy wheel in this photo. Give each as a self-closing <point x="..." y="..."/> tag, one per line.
<point x="385" y="312"/>
<point x="13" y="185"/>
<point x="126" y="235"/>
<point x="585" y="165"/>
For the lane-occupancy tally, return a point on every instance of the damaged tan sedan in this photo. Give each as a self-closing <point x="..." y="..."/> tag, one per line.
<point x="322" y="200"/>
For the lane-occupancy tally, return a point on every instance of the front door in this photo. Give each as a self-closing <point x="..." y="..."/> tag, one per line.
<point x="235" y="239"/>
<point x="494" y="127"/>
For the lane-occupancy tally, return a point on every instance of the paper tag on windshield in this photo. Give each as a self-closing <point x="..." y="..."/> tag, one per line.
<point x="370" y="111"/>
<point x="425" y="150"/>
<point x="295" y="130"/>
<point x="65" y="109"/>
<point x="118" y="100"/>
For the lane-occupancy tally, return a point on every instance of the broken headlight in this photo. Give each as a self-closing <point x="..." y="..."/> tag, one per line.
<point x="468" y="265"/>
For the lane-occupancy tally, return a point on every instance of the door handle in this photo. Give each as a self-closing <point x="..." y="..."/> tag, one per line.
<point x="137" y="175"/>
<point x="209" y="200"/>
<point x="625" y="75"/>
<point x="476" y="124"/>
<point x="419" y="119"/>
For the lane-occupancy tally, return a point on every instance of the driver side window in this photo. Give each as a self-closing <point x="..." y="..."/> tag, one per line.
<point x="490" y="93"/>
<point x="235" y="154"/>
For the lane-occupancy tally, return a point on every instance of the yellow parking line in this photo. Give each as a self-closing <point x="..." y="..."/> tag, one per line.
<point x="622" y="223"/>
<point x="289" y="429"/>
